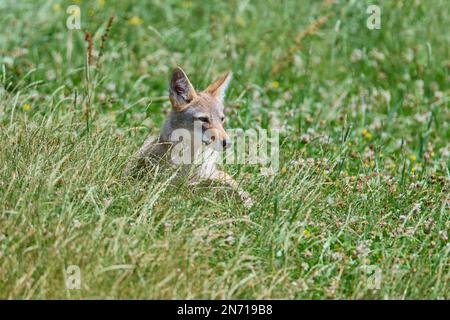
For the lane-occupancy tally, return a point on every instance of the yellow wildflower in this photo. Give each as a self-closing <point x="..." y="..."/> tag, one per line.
<point x="26" y="107"/>
<point x="306" y="233"/>
<point x="391" y="165"/>
<point x="135" y="21"/>
<point x="240" y="21"/>
<point x="275" y="84"/>
<point x="366" y="134"/>
<point x="75" y="11"/>
<point x="186" y="4"/>
<point x="101" y="3"/>
<point x="413" y="157"/>
<point x="56" y="7"/>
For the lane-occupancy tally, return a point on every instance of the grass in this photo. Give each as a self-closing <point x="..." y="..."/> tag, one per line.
<point x="364" y="153"/>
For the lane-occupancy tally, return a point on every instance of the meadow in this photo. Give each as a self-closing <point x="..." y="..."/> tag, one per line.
<point x="359" y="208"/>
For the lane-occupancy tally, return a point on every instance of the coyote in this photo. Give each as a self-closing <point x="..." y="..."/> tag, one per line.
<point x="201" y="115"/>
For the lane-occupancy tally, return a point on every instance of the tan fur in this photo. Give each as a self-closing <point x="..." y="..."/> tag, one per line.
<point x="188" y="106"/>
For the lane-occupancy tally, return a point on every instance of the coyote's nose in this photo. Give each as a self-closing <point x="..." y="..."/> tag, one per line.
<point x="226" y="143"/>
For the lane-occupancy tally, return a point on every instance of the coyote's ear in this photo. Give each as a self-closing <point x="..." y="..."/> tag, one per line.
<point x="218" y="87"/>
<point x="181" y="90"/>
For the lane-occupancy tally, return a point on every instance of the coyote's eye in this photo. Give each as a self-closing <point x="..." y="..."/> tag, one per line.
<point x="222" y="119"/>
<point x="203" y="119"/>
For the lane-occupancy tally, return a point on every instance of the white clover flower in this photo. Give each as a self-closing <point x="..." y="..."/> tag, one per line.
<point x="111" y="86"/>
<point x="438" y="95"/>
<point x="408" y="55"/>
<point x="445" y="152"/>
<point x="377" y="55"/>
<point x="422" y="118"/>
<point x="386" y="95"/>
<point x="356" y="56"/>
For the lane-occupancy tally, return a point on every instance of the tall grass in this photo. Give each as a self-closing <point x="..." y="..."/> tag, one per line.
<point x="364" y="151"/>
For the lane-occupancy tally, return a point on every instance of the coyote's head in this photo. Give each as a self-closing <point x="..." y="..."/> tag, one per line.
<point x="201" y="113"/>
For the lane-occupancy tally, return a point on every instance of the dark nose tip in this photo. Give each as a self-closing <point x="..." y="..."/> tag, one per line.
<point x="226" y="143"/>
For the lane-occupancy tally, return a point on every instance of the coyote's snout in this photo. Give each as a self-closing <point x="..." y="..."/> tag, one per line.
<point x="198" y="118"/>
